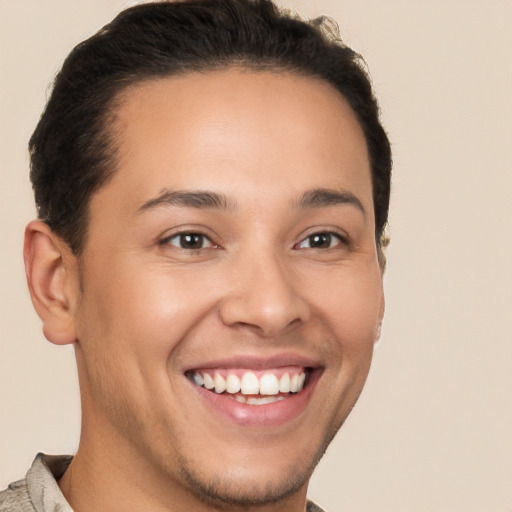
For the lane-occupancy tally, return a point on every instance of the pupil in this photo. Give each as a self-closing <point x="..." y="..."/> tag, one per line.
<point x="321" y="240"/>
<point x="191" y="241"/>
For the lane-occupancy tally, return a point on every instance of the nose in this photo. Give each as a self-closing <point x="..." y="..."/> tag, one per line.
<point x="263" y="297"/>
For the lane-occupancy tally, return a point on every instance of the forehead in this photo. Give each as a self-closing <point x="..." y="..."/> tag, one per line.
<point x="265" y="129"/>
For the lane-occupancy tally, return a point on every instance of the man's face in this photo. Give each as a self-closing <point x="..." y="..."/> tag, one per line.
<point x="235" y="243"/>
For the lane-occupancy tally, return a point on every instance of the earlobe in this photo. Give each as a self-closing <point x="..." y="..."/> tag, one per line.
<point x="51" y="271"/>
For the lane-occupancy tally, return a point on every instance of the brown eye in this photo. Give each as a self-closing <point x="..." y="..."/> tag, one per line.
<point x="320" y="241"/>
<point x="191" y="241"/>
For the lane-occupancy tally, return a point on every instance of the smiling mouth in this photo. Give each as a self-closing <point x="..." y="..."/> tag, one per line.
<point x="252" y="387"/>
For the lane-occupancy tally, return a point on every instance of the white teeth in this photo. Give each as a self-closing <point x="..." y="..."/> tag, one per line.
<point x="269" y="385"/>
<point x="220" y="383"/>
<point x="284" y="383"/>
<point x="249" y="385"/>
<point x="208" y="381"/>
<point x="294" y="384"/>
<point x="265" y="400"/>
<point x="241" y="399"/>
<point x="232" y="384"/>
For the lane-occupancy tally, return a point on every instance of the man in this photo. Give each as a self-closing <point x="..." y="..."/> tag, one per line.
<point x="212" y="183"/>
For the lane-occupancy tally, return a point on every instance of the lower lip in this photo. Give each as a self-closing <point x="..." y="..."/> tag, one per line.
<point x="267" y="415"/>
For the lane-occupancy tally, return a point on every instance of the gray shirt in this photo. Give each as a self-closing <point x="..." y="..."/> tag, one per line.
<point x="39" y="491"/>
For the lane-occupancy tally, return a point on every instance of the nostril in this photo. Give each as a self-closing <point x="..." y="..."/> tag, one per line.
<point x="264" y="322"/>
<point x="264" y="298"/>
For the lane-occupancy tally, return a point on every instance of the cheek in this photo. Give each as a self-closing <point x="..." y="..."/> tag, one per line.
<point x="351" y="303"/>
<point x="142" y="314"/>
<point x="352" y="312"/>
<point x="129" y="324"/>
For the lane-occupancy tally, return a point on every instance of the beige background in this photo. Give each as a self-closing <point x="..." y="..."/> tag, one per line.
<point x="432" y="431"/>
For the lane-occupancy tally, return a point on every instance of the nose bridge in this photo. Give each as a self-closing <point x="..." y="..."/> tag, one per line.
<point x="264" y="294"/>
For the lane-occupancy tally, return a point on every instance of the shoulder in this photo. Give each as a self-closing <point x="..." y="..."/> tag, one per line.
<point x="16" y="498"/>
<point x="312" y="507"/>
<point x="39" y="490"/>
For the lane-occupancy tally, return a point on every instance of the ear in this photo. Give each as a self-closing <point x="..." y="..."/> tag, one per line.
<point x="52" y="276"/>
<point x="381" y="254"/>
<point x="382" y="309"/>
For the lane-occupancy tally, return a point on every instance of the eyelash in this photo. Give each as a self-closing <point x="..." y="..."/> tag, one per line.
<point x="181" y="238"/>
<point x="191" y="238"/>
<point x="327" y="235"/>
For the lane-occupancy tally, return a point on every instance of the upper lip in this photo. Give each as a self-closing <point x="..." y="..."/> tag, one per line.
<point x="256" y="363"/>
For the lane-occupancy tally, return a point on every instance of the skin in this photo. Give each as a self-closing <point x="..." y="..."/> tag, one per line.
<point x="141" y="309"/>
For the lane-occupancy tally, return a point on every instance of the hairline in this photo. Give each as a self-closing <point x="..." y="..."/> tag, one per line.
<point x="110" y="130"/>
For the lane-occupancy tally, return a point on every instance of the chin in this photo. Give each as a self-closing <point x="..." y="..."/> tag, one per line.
<point x="253" y="477"/>
<point x="244" y="486"/>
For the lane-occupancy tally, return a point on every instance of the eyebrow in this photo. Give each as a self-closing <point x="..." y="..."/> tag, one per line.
<point x="322" y="197"/>
<point x="316" y="198"/>
<point x="191" y="199"/>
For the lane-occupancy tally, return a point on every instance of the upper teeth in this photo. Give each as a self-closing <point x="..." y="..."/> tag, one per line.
<point x="250" y="384"/>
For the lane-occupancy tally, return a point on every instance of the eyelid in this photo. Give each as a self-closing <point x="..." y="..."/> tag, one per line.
<point x="343" y="238"/>
<point x="165" y="240"/>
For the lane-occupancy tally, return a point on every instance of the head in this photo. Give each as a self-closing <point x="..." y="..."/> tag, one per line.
<point x="73" y="149"/>
<point x="214" y="184"/>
